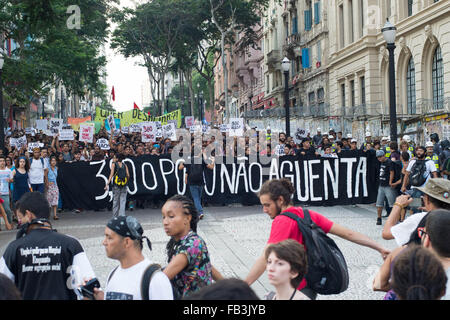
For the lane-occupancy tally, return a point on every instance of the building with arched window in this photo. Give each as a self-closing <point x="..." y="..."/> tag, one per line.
<point x="359" y="59"/>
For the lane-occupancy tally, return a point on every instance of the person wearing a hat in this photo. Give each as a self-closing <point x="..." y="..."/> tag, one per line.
<point x="430" y="155"/>
<point x="124" y="242"/>
<point x="437" y="148"/>
<point x="317" y="139"/>
<point x="436" y="195"/>
<point x="353" y="144"/>
<point x="411" y="148"/>
<point x="429" y="171"/>
<point x="386" y="180"/>
<point x="368" y="141"/>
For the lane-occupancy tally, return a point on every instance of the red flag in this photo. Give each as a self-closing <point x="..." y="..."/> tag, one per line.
<point x="113" y="94"/>
<point x="135" y="106"/>
<point x="148" y="113"/>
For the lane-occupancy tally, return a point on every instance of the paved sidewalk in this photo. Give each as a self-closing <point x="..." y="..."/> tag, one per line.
<point x="235" y="237"/>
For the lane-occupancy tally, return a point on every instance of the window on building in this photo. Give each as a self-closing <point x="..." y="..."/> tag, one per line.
<point x="341" y="26"/>
<point x="308" y="20"/>
<point x="362" y="12"/>
<point x="343" y="94"/>
<point x="294" y="25"/>
<point x="352" y="92"/>
<point x="350" y="20"/>
<point x="438" y="79"/>
<point x="317" y="12"/>
<point x="305" y="58"/>
<point x="410" y="8"/>
<point x="312" y="98"/>
<point x="411" y="87"/>
<point x="319" y="51"/>
<point x="363" y="90"/>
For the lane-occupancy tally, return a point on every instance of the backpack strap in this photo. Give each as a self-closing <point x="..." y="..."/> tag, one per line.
<point x="112" y="273"/>
<point x="147" y="278"/>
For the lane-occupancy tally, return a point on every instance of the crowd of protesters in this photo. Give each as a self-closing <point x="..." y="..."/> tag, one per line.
<point x="418" y="269"/>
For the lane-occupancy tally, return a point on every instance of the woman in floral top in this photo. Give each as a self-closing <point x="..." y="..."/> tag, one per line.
<point x="189" y="267"/>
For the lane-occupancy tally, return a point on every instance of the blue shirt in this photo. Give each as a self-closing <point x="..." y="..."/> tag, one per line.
<point x="52" y="175"/>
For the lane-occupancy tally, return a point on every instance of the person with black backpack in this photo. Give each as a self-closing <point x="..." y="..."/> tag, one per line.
<point x="119" y="176"/>
<point x="136" y="278"/>
<point x="327" y="269"/>
<point x="418" y="172"/>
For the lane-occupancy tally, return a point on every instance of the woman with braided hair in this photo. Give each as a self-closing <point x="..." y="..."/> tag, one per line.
<point x="418" y="275"/>
<point x="189" y="267"/>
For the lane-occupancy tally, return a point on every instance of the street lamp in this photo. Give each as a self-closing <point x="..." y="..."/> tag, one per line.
<point x="2" y="128"/>
<point x="389" y="33"/>
<point x="201" y="106"/>
<point x="286" y="65"/>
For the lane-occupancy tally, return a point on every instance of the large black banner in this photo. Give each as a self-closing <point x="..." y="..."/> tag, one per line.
<point x="349" y="179"/>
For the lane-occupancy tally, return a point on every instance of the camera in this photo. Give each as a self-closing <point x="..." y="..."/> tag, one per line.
<point x="88" y="289"/>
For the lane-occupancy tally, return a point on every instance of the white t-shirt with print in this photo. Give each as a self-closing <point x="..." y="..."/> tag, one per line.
<point x="36" y="173"/>
<point x="430" y="167"/>
<point x="5" y="175"/>
<point x="447" y="291"/>
<point x="125" y="284"/>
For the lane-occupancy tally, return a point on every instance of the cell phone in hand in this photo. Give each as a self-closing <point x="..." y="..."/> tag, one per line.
<point x="88" y="289"/>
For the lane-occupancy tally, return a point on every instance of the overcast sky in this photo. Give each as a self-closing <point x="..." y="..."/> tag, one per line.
<point x="124" y="75"/>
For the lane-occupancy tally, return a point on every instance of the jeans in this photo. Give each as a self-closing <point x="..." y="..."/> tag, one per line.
<point x="196" y="193"/>
<point x="38" y="187"/>
<point x="6" y="206"/>
<point x="119" y="201"/>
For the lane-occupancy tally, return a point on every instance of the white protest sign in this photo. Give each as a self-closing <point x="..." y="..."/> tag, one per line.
<point x="33" y="145"/>
<point x="206" y="129"/>
<point x="134" y="127"/>
<point x="66" y="134"/>
<point x="148" y="133"/>
<point x="55" y="125"/>
<point x="236" y="127"/>
<point x="169" y="131"/>
<point x="87" y="133"/>
<point x="175" y="122"/>
<point x="159" y="132"/>
<point x="111" y="123"/>
<point x="125" y="130"/>
<point x="299" y="135"/>
<point x="41" y="124"/>
<point x="28" y="131"/>
<point x="195" y="128"/>
<point x="13" y="142"/>
<point x="224" y="127"/>
<point x="103" y="144"/>
<point x="189" y="121"/>
<point x="21" y="142"/>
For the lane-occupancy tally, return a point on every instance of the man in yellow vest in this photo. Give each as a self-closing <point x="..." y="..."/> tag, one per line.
<point x="431" y="155"/>
<point x="385" y="147"/>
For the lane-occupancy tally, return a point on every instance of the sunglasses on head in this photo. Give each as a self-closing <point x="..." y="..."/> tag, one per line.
<point x="421" y="232"/>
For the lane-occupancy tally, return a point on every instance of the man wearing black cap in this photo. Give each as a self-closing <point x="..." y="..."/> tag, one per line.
<point x="44" y="264"/>
<point x="123" y="242"/>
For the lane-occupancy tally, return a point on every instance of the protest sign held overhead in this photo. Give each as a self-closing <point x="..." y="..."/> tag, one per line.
<point x="136" y="116"/>
<point x="169" y="131"/>
<point x="189" y="121"/>
<point x="236" y="128"/>
<point x="148" y="133"/>
<point x="87" y="133"/>
<point x="66" y="134"/>
<point x="103" y="144"/>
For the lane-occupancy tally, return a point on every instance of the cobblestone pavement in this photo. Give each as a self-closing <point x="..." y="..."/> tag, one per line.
<point x="235" y="237"/>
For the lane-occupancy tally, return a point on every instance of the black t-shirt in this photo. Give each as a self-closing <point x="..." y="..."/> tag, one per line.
<point x="195" y="172"/>
<point x="385" y="170"/>
<point x="308" y="152"/>
<point x="44" y="263"/>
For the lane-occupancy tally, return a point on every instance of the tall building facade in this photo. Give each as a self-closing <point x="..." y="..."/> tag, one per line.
<point x="339" y="75"/>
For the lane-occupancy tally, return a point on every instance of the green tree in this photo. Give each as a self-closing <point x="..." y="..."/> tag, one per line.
<point x="51" y="49"/>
